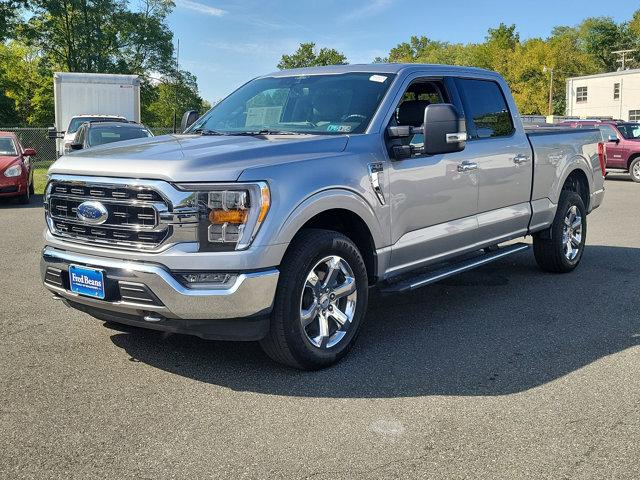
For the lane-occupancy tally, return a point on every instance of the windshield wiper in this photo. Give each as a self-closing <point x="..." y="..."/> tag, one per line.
<point x="204" y="131"/>
<point x="267" y="132"/>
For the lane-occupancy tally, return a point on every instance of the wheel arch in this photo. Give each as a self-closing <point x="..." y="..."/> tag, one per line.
<point x="343" y="212"/>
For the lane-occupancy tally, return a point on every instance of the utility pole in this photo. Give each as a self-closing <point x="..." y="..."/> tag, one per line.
<point x="175" y="88"/>
<point x="623" y="57"/>
<point x="545" y="69"/>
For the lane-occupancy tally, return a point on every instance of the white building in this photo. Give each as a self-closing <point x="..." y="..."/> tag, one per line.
<point x="615" y="95"/>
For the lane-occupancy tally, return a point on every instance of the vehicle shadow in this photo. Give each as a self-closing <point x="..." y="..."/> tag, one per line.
<point x="501" y="329"/>
<point x="11" y="202"/>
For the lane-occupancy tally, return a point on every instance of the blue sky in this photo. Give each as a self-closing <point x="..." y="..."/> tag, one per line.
<point x="228" y="42"/>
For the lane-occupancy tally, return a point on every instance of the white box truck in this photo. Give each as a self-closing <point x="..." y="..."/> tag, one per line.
<point x="80" y="97"/>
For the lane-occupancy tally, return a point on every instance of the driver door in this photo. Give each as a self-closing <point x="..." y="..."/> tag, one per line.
<point x="433" y="203"/>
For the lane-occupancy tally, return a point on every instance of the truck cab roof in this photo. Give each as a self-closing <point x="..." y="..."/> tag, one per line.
<point x="388" y="68"/>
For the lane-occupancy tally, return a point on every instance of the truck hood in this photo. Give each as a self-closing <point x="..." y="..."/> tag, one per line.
<point x="195" y="158"/>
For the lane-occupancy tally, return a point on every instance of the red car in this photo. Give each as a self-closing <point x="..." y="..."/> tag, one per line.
<point x="16" y="174"/>
<point x="623" y="143"/>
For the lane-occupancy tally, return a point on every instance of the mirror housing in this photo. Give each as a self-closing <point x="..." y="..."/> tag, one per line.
<point x="76" y="146"/>
<point x="613" y="138"/>
<point x="445" y="130"/>
<point x="188" y="119"/>
<point x="29" y="152"/>
<point x="53" y="133"/>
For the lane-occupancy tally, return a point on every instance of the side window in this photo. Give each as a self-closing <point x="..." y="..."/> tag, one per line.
<point x="420" y="94"/>
<point x="607" y="131"/>
<point x="485" y="108"/>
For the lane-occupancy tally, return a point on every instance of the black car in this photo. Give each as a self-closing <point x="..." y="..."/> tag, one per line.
<point x="92" y="134"/>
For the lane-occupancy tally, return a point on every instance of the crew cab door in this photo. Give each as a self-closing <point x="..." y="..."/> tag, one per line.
<point x="433" y="200"/>
<point x="501" y="149"/>
<point x="617" y="152"/>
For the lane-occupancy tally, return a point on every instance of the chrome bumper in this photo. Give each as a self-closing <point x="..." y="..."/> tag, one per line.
<point x="161" y="295"/>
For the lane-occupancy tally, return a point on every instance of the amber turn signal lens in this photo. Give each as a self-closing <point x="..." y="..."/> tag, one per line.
<point x="235" y="217"/>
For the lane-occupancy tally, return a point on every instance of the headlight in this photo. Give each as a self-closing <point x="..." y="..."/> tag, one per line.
<point x="13" y="171"/>
<point x="231" y="214"/>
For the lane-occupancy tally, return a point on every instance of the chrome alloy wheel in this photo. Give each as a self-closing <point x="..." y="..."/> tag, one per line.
<point x="636" y="170"/>
<point x="572" y="233"/>
<point x="328" y="302"/>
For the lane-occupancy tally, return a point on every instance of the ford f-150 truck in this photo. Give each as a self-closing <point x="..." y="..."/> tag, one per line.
<point x="272" y="215"/>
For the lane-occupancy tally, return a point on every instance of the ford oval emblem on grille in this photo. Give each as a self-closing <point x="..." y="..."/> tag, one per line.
<point x="93" y="213"/>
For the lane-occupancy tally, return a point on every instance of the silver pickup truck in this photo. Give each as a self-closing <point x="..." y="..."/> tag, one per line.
<point x="274" y="214"/>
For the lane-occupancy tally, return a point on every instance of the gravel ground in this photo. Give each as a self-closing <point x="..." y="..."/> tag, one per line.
<point x="503" y="372"/>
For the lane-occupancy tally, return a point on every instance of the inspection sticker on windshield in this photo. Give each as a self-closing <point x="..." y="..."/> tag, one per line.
<point x="339" y="128"/>
<point x="377" y="78"/>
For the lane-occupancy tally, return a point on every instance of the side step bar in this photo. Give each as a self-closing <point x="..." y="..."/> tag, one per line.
<point x="422" y="279"/>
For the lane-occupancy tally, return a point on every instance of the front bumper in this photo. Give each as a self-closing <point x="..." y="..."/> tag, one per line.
<point x="12" y="186"/>
<point x="148" y="295"/>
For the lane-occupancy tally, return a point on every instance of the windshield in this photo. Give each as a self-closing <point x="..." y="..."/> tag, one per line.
<point x="630" y="131"/>
<point x="314" y="104"/>
<point x="7" y="147"/>
<point x="102" y="135"/>
<point x="75" y="123"/>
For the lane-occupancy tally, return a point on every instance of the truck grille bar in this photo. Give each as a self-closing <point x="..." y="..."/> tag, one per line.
<point x="138" y="216"/>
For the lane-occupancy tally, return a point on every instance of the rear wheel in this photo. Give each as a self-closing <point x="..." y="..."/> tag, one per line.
<point x="634" y="170"/>
<point x="320" y="302"/>
<point x="559" y="249"/>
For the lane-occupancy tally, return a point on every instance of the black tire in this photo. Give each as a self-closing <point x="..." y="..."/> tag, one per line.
<point x="288" y="341"/>
<point x="634" y="170"/>
<point x="549" y="245"/>
<point x="32" y="188"/>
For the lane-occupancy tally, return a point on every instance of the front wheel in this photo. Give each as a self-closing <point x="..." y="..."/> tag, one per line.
<point x="559" y="249"/>
<point x="320" y="302"/>
<point x="634" y="170"/>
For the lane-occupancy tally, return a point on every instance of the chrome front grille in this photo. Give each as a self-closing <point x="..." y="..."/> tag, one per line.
<point x="139" y="216"/>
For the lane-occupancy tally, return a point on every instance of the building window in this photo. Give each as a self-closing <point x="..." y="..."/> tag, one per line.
<point x="634" y="115"/>
<point x="581" y="94"/>
<point x="616" y="91"/>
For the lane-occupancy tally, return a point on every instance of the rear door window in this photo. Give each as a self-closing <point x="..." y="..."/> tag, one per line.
<point x="485" y="107"/>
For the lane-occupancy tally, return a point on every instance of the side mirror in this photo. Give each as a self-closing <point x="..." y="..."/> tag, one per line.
<point x="29" y="152"/>
<point x="76" y="146"/>
<point x="188" y="119"/>
<point x="613" y="138"/>
<point x="445" y="130"/>
<point x="52" y="132"/>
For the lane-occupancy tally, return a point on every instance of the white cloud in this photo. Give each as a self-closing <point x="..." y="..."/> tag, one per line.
<point x="373" y="7"/>
<point x="200" y="8"/>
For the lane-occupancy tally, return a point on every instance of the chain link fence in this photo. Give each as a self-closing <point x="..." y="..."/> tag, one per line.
<point x="37" y="138"/>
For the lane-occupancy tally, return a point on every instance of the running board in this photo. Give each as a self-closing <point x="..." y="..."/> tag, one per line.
<point x="423" y="279"/>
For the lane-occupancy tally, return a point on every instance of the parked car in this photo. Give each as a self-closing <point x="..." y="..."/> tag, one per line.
<point x="74" y="125"/>
<point x="16" y="172"/>
<point x="622" y="144"/>
<point x="273" y="214"/>
<point x="93" y="134"/>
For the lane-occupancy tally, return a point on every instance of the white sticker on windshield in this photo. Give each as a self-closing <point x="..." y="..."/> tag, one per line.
<point x="378" y="78"/>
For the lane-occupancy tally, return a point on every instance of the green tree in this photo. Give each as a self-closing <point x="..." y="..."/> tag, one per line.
<point x="26" y="88"/>
<point x="101" y="35"/>
<point x="173" y="95"/>
<point x="600" y="36"/>
<point x="306" y="56"/>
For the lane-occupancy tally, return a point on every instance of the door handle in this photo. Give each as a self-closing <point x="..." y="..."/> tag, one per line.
<point x="467" y="166"/>
<point x="520" y="159"/>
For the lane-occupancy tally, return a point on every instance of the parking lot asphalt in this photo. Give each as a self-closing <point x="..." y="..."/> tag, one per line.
<point x="502" y="372"/>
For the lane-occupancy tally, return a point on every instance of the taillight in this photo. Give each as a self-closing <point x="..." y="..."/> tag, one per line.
<point x="602" y="156"/>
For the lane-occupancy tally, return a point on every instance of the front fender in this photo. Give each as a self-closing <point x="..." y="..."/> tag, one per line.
<point x="330" y="200"/>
